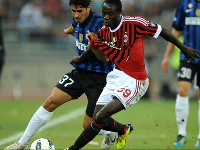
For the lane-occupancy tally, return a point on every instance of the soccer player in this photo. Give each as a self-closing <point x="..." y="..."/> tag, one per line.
<point x="121" y="40"/>
<point x="88" y="77"/>
<point x="186" y="21"/>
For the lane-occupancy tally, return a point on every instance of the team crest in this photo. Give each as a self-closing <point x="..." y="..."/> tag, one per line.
<point x="125" y="38"/>
<point x="80" y="37"/>
<point x="198" y="12"/>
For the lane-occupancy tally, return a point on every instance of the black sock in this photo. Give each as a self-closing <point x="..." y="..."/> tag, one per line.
<point x="115" y="126"/>
<point x="87" y="135"/>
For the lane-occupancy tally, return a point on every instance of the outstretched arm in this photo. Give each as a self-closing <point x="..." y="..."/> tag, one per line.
<point x="169" y="50"/>
<point x="188" y="52"/>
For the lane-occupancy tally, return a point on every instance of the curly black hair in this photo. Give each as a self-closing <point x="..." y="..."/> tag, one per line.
<point x="83" y="3"/>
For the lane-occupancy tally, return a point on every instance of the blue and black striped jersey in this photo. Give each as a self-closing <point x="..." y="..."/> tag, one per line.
<point x="187" y="18"/>
<point x="93" y="24"/>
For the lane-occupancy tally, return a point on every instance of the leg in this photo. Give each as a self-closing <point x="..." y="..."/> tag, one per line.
<point x="197" y="145"/>
<point x="182" y="106"/>
<point x="182" y="111"/>
<point x="87" y="120"/>
<point x="101" y="116"/>
<point x="44" y="113"/>
<point x="1" y="64"/>
<point x="42" y="116"/>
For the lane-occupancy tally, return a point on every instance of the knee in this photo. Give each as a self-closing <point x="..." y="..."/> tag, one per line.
<point x="101" y="118"/>
<point x="50" y="104"/>
<point x="183" y="91"/>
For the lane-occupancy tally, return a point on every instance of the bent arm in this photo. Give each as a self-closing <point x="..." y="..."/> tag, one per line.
<point x="169" y="50"/>
<point x="103" y="58"/>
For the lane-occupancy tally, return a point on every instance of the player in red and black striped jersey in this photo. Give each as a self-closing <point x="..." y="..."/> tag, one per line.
<point x="124" y="45"/>
<point x="121" y="40"/>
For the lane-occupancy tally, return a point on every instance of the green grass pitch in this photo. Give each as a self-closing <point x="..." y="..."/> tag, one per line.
<point x="153" y="121"/>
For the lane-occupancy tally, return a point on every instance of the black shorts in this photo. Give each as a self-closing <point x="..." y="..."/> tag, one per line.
<point x="78" y="82"/>
<point x="187" y="72"/>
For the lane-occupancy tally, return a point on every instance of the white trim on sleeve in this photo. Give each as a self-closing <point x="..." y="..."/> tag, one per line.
<point x="158" y="31"/>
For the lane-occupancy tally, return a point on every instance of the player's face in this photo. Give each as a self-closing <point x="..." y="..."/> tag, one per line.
<point x="110" y="15"/>
<point x="80" y="14"/>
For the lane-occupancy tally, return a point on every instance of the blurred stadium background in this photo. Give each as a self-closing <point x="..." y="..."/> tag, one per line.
<point x="38" y="53"/>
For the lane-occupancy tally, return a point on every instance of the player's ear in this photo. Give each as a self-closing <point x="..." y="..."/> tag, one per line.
<point x="89" y="7"/>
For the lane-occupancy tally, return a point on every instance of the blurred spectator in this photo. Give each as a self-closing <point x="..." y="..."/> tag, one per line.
<point x="54" y="9"/>
<point x="10" y="9"/>
<point x="2" y="51"/>
<point x="33" y="22"/>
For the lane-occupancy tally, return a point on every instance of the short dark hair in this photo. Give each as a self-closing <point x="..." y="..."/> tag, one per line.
<point x="83" y="3"/>
<point x="117" y="3"/>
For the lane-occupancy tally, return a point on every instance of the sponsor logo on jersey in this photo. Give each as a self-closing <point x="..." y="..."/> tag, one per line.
<point x="188" y="10"/>
<point x="192" y="20"/>
<point x="81" y="46"/>
<point x="112" y="45"/>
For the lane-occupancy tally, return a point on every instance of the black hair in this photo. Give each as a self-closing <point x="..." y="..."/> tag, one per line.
<point x="83" y="3"/>
<point x="117" y="4"/>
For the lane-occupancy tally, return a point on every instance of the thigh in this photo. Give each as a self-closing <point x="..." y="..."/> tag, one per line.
<point x="197" y="83"/>
<point x="111" y="108"/>
<point x="70" y="84"/>
<point x="93" y="90"/>
<point x="125" y="88"/>
<point x="131" y="91"/>
<point x="57" y="98"/>
<point x="186" y="71"/>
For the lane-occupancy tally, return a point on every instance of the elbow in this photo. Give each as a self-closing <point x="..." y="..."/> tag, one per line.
<point x="106" y="60"/>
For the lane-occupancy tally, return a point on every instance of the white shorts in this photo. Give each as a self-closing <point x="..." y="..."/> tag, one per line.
<point x="127" y="89"/>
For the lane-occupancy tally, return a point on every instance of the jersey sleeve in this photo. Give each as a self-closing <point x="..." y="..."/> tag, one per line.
<point x="146" y="28"/>
<point x="179" y="19"/>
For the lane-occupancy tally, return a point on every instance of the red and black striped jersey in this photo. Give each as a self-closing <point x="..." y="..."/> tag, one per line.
<point x="124" y="45"/>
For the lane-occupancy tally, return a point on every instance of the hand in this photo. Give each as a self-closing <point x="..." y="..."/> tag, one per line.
<point x="92" y="36"/>
<point x="191" y="53"/>
<point x="70" y="30"/>
<point x="164" y="64"/>
<point x="76" y="59"/>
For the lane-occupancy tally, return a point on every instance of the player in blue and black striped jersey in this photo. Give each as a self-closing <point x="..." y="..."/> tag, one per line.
<point x="89" y="76"/>
<point x="186" y="22"/>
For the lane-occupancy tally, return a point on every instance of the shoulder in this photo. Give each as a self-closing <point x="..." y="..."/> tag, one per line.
<point x="135" y="20"/>
<point x="97" y="17"/>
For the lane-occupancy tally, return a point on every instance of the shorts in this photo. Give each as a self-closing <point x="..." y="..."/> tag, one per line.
<point x="78" y="82"/>
<point x="127" y="89"/>
<point x="187" y="72"/>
